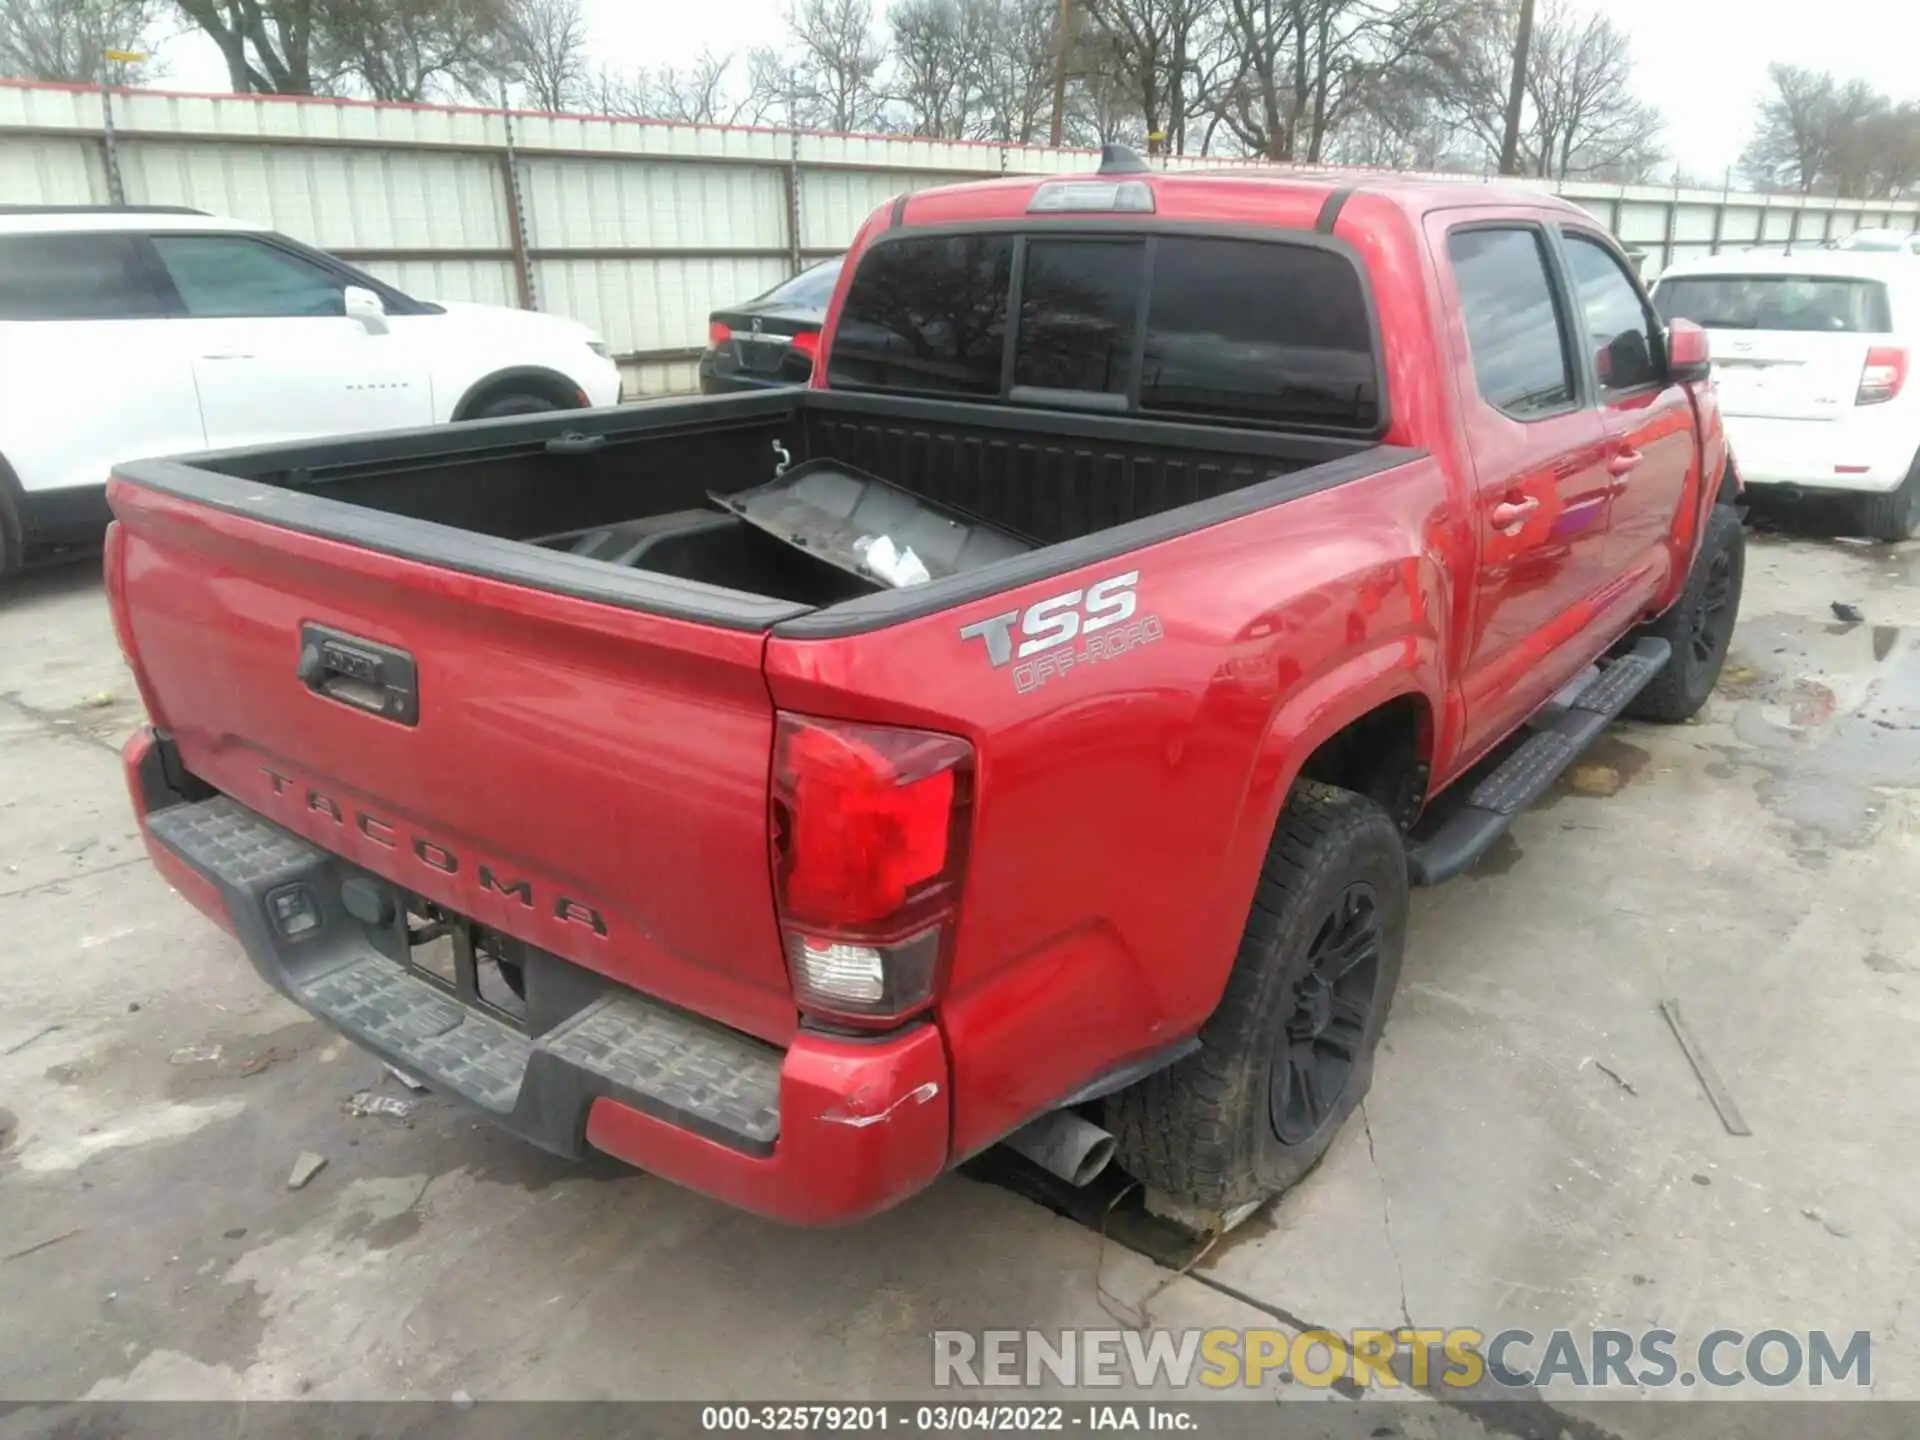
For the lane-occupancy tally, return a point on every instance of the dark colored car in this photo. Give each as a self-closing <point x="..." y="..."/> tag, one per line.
<point x="772" y="338"/>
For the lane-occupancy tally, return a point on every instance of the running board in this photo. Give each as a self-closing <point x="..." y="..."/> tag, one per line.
<point x="1566" y="726"/>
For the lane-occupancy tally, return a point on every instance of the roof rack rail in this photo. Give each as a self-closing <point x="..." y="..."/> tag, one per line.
<point x="99" y="210"/>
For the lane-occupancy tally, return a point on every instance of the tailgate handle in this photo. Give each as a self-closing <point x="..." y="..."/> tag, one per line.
<point x="365" y="674"/>
<point x="573" y="443"/>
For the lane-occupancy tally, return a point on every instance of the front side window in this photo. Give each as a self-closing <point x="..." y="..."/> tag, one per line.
<point x="1625" y="354"/>
<point x="1514" y="328"/>
<point x="77" y="277"/>
<point x="234" y="276"/>
<point x="927" y="314"/>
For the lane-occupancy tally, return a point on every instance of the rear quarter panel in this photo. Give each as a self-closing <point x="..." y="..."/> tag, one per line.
<point x="1124" y="805"/>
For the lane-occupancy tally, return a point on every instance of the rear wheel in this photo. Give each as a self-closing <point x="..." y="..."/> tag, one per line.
<point x="1288" y="1054"/>
<point x="12" y="536"/>
<point x="1894" y="515"/>
<point x="1699" y="627"/>
<point x="518" y="402"/>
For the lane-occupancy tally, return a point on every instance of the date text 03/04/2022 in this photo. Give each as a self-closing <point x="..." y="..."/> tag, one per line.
<point x="941" y="1418"/>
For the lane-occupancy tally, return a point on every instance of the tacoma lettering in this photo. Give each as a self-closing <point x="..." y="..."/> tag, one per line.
<point x="439" y="858"/>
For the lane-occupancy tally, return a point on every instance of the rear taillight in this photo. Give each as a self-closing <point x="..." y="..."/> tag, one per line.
<point x="1882" y="376"/>
<point x="719" y="332"/>
<point x="869" y="827"/>
<point x="807" y="342"/>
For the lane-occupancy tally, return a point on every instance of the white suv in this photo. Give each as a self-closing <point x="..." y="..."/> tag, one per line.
<point x="1814" y="353"/>
<point x="132" y="333"/>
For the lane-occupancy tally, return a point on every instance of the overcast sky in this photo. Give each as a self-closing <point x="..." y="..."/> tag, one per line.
<point x="1703" y="62"/>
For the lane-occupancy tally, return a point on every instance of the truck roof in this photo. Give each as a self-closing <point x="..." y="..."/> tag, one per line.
<point x="1225" y="194"/>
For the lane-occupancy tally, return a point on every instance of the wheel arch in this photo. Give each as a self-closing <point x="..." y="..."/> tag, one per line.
<point x="548" y="384"/>
<point x="13" y="536"/>
<point x="1371" y="725"/>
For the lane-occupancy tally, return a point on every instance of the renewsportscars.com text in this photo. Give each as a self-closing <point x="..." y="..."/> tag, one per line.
<point x="1389" y="1359"/>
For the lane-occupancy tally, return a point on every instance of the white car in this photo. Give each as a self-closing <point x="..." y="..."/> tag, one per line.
<point x="1813" y="353"/>
<point x="133" y="333"/>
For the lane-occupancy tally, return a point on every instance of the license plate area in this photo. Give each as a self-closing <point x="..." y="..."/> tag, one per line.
<point x="477" y="966"/>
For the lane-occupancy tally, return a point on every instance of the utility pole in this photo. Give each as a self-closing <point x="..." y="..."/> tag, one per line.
<point x="1060" y="69"/>
<point x="1517" y="92"/>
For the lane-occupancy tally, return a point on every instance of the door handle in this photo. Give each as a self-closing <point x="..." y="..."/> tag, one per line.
<point x="229" y="355"/>
<point x="1622" y="462"/>
<point x="1512" y="514"/>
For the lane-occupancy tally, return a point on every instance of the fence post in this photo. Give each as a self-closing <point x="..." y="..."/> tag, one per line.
<point x="516" y="216"/>
<point x="109" y="144"/>
<point x="793" y="198"/>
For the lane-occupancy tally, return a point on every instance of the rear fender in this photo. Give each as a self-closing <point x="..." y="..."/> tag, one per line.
<point x="1312" y="714"/>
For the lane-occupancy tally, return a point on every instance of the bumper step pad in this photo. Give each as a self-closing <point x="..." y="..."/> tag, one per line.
<point x="680" y="1069"/>
<point x="1448" y="842"/>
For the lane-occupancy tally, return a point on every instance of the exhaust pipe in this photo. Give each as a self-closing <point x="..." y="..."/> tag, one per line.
<point x="1064" y="1145"/>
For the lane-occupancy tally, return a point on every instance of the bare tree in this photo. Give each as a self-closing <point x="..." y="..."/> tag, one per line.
<point x="695" y="94"/>
<point x="1814" y="133"/>
<point x="1579" y="116"/>
<point x="943" y="52"/>
<point x="1160" y="49"/>
<point x="1586" y="121"/>
<point x="543" y="46"/>
<point x="410" y="49"/>
<point x="1018" y="86"/>
<point x="267" y="44"/>
<point x="829" y="80"/>
<point x="67" y="40"/>
<point x="1302" y="67"/>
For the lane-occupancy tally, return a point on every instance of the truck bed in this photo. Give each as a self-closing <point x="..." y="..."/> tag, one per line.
<point x="618" y="505"/>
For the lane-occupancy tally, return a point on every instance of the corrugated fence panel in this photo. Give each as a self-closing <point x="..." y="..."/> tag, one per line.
<point x="341" y="199"/>
<point x="51" y="171"/>
<point x="602" y="204"/>
<point x="835" y="203"/>
<point x="483" y="282"/>
<point x="640" y="305"/>
<point x="418" y="195"/>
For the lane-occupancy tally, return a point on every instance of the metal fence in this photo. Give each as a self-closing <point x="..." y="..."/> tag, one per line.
<point x="639" y="228"/>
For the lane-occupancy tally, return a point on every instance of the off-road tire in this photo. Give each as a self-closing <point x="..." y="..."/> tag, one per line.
<point x="519" y="402"/>
<point x="1699" y="627"/>
<point x="1894" y="515"/>
<point x="1203" y="1132"/>
<point x="12" y="532"/>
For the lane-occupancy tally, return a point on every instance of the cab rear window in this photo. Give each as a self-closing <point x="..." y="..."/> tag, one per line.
<point x="1824" y="304"/>
<point x="1180" y="326"/>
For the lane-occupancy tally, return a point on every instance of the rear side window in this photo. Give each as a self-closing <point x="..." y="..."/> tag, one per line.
<point x="1252" y="331"/>
<point x="1190" y="326"/>
<point x="1514" y="328"/>
<point x="1825" y="304"/>
<point x="77" y="277"/>
<point x="927" y="314"/>
<point x="230" y="276"/>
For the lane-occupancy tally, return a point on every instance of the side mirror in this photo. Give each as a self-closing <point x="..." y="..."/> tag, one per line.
<point x="1689" y="358"/>
<point x="366" y="307"/>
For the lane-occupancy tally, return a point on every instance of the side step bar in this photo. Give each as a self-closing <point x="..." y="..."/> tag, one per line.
<point x="1571" y="722"/>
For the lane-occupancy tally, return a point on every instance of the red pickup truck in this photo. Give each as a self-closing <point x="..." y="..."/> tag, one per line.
<point x="1027" y="732"/>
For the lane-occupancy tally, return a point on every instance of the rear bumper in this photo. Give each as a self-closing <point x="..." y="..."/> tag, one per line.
<point x="824" y="1132"/>
<point x="1858" y="453"/>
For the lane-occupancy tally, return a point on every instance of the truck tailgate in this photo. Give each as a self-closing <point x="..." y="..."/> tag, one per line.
<point x="587" y="778"/>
